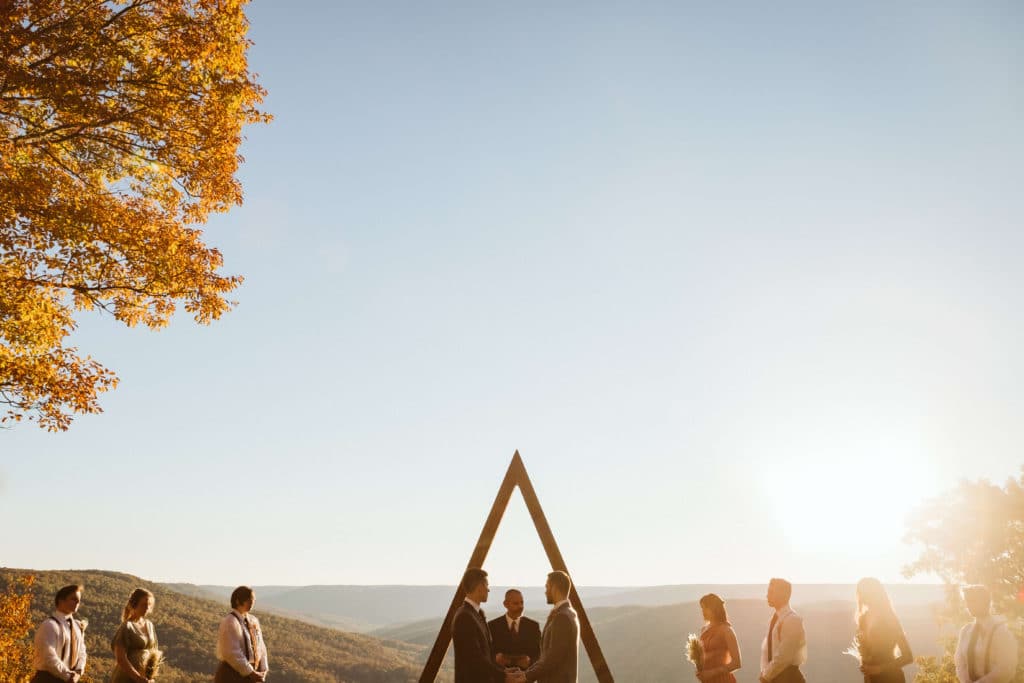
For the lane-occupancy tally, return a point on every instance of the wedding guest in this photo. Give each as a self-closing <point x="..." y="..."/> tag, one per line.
<point x="515" y="638"/>
<point x="721" y="651"/>
<point x="59" y="654"/>
<point x="784" y="649"/>
<point x="240" y="648"/>
<point x="986" y="651"/>
<point x="880" y="635"/>
<point x="474" y="659"/>
<point x="134" y="643"/>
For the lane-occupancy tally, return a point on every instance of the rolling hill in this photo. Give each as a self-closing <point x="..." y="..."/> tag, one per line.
<point x="645" y="644"/>
<point x="187" y="629"/>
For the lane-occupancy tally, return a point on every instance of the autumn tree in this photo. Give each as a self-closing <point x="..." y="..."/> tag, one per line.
<point x="120" y="124"/>
<point x="973" y="534"/>
<point x="15" y="631"/>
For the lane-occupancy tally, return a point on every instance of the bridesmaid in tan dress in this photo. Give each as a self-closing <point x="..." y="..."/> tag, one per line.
<point x="134" y="643"/>
<point x="721" y="650"/>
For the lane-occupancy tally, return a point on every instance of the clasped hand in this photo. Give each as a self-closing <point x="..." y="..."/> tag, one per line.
<point x="514" y="675"/>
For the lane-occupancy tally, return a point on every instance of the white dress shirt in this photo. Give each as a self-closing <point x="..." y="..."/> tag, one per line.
<point x="789" y="644"/>
<point x="513" y="624"/>
<point x="232" y="639"/>
<point x="1003" y="659"/>
<point x="53" y="642"/>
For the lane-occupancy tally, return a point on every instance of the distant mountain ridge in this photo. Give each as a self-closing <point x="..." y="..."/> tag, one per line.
<point x="366" y="609"/>
<point x="647" y="644"/>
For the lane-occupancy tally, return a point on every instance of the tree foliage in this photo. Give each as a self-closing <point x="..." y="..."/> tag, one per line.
<point x="120" y="124"/>
<point x="973" y="534"/>
<point x="15" y="628"/>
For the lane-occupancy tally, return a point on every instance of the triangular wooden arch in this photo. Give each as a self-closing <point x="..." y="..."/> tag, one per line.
<point x="516" y="476"/>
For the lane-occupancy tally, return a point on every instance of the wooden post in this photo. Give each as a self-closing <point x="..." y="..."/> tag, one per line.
<point x="516" y="476"/>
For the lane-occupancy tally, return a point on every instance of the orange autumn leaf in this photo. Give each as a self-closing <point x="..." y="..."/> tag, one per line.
<point x="120" y="124"/>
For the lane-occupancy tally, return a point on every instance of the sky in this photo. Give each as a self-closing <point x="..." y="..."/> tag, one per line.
<point x="740" y="281"/>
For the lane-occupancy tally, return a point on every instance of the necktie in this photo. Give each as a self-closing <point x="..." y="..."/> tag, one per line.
<point x="771" y="627"/>
<point x="515" y="627"/>
<point x="481" y="612"/>
<point x="74" y="644"/>
<point x="247" y="640"/>
<point x="254" y="639"/>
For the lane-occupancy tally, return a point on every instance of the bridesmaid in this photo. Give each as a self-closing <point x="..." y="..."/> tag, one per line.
<point x="880" y="634"/>
<point x="721" y="650"/>
<point x="135" y="643"/>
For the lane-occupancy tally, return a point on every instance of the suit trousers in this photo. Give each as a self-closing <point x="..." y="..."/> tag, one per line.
<point x="791" y="674"/>
<point x="225" y="674"/>
<point x="46" y="677"/>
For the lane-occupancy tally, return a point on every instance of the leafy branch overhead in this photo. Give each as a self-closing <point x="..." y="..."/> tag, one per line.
<point x="121" y="123"/>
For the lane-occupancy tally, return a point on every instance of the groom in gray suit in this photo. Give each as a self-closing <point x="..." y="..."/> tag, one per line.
<point x="560" y="643"/>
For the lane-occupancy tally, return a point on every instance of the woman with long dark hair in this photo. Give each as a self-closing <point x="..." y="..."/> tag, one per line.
<point x="884" y="649"/>
<point x="718" y="641"/>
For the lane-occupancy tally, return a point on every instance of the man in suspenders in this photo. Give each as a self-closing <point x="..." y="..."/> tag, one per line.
<point x="60" y="642"/>
<point x="986" y="651"/>
<point x="241" y="652"/>
<point x="784" y="649"/>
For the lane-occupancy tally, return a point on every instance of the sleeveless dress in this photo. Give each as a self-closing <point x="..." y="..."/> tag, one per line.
<point x="716" y="651"/>
<point x="881" y="639"/>
<point x="139" y="643"/>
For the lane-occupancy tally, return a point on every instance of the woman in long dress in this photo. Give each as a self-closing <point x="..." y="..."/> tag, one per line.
<point x="718" y="641"/>
<point x="134" y="643"/>
<point x="883" y="645"/>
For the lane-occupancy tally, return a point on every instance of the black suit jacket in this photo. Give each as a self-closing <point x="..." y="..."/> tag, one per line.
<point x="474" y="659"/>
<point x="527" y="642"/>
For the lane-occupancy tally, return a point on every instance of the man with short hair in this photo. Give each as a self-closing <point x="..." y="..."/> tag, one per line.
<point x="474" y="662"/>
<point x="559" y="659"/>
<point x="59" y="654"/>
<point x="986" y="651"/>
<point x="784" y="649"/>
<point x="516" y="639"/>
<point x="241" y="652"/>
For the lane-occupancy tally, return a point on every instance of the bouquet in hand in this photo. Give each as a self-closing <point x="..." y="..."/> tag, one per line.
<point x="858" y="649"/>
<point x="151" y="662"/>
<point x="695" y="651"/>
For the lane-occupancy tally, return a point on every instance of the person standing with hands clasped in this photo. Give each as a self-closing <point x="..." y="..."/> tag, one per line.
<point x="986" y="651"/>
<point x="785" y="647"/>
<point x="60" y="641"/>
<point x="240" y="648"/>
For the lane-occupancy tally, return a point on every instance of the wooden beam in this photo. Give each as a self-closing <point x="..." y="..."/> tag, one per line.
<point x="540" y="522"/>
<point x="516" y="476"/>
<point x="483" y="545"/>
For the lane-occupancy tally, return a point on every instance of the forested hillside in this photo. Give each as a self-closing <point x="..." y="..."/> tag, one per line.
<point x="187" y="629"/>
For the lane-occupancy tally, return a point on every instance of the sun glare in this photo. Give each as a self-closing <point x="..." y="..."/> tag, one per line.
<point x="853" y="502"/>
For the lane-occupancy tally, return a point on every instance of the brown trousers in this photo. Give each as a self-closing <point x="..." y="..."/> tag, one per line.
<point x="791" y="674"/>
<point x="225" y="674"/>
<point x="46" y="677"/>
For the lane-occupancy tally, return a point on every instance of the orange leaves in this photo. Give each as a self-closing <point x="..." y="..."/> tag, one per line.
<point x="15" y="631"/>
<point x="119" y="132"/>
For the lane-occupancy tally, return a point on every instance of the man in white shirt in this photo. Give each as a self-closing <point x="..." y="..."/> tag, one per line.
<point x="59" y="653"/>
<point x="241" y="652"/>
<point x="784" y="649"/>
<point x="987" y="650"/>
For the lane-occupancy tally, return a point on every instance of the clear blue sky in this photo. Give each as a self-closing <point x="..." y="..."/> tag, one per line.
<point x="742" y="283"/>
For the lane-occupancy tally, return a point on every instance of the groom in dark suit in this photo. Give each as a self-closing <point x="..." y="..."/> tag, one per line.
<point x="474" y="659"/>
<point x="515" y="638"/>
<point x="560" y="643"/>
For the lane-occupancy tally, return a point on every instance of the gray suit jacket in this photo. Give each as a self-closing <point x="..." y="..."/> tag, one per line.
<point x="559" y="648"/>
